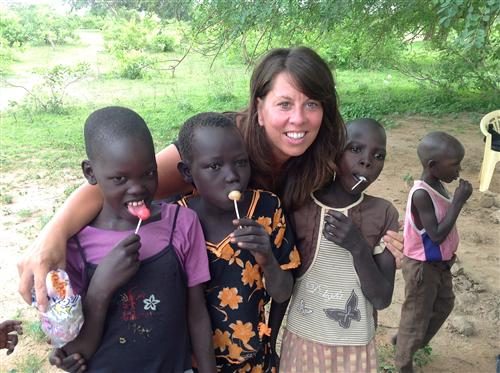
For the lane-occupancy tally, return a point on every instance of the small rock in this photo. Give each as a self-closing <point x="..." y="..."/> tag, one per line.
<point x="465" y="302"/>
<point x="457" y="269"/>
<point x="497" y="201"/>
<point x="476" y="238"/>
<point x="495" y="217"/>
<point x="487" y="201"/>
<point x="460" y="325"/>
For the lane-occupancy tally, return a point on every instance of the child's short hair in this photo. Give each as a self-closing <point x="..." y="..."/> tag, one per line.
<point x="112" y="123"/>
<point x="438" y="144"/>
<point x="201" y="120"/>
<point x="368" y="122"/>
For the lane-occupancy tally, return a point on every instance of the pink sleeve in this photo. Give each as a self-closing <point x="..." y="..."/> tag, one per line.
<point x="192" y="248"/>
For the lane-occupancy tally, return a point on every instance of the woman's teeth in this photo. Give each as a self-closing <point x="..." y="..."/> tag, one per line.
<point x="295" y="135"/>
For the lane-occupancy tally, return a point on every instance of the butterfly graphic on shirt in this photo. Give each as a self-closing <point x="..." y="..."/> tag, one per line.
<point x="303" y="309"/>
<point x="344" y="317"/>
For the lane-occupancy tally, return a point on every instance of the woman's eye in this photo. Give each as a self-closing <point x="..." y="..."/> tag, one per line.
<point x="285" y="105"/>
<point x="355" y="149"/>
<point x="312" y="105"/>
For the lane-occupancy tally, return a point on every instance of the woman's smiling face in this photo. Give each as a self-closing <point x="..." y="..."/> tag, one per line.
<point x="290" y="119"/>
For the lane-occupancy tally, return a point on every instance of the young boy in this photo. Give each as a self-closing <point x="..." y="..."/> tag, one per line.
<point x="143" y="296"/>
<point x="242" y="252"/>
<point x="431" y="239"/>
<point x="346" y="272"/>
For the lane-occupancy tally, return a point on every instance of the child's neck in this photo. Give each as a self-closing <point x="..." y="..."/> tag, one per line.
<point x="334" y="195"/>
<point x="435" y="183"/>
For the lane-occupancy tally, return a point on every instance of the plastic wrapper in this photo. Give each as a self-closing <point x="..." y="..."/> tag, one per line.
<point x="64" y="316"/>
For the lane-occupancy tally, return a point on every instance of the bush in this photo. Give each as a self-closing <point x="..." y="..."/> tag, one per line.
<point x="161" y="43"/>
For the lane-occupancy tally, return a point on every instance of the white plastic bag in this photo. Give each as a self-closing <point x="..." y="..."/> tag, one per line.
<point x="64" y="317"/>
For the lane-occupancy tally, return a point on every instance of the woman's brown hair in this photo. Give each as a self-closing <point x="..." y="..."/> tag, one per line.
<point x="303" y="174"/>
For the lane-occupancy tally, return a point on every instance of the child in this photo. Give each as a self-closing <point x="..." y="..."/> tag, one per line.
<point x="242" y="252"/>
<point x="142" y="293"/>
<point x="8" y="339"/>
<point x="431" y="239"/>
<point x="345" y="272"/>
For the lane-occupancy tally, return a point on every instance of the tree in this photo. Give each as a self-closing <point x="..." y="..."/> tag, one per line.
<point x="464" y="34"/>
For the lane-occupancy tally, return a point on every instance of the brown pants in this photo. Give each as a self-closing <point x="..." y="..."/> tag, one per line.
<point x="429" y="299"/>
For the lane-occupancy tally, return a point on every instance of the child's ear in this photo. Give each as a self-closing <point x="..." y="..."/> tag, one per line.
<point x="431" y="163"/>
<point x="88" y="172"/>
<point x="185" y="171"/>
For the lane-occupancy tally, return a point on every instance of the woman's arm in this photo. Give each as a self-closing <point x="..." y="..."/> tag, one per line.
<point x="170" y="181"/>
<point x="49" y="250"/>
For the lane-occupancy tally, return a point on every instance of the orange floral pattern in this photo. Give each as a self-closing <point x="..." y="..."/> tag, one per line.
<point x="229" y="297"/>
<point x="236" y="293"/>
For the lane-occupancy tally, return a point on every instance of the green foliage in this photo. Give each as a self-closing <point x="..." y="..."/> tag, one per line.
<point x="37" y="25"/>
<point x="364" y="34"/>
<point x="423" y="357"/>
<point x="129" y="38"/>
<point x="50" y="94"/>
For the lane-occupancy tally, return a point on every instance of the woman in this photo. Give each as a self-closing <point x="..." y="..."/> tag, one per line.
<point x="293" y="131"/>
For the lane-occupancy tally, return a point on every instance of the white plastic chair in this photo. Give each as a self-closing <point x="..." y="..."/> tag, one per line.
<point x="491" y="157"/>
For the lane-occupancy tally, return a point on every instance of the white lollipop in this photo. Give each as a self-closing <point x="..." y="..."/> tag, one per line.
<point x="235" y="196"/>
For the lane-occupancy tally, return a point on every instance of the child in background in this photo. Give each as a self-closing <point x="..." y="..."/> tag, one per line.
<point x="431" y="240"/>
<point x="242" y="252"/>
<point x="346" y="271"/>
<point x="143" y="295"/>
<point x="8" y="339"/>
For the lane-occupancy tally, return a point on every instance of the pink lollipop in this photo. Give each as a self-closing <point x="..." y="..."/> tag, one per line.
<point x="140" y="210"/>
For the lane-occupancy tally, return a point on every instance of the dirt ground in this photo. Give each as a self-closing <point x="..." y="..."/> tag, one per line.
<point x="469" y="340"/>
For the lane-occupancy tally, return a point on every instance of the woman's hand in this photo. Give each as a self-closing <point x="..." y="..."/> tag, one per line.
<point x="46" y="254"/>
<point x="394" y="243"/>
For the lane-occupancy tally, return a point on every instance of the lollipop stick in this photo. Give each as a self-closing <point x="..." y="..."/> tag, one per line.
<point x="361" y="179"/>
<point x="236" y="209"/>
<point x="138" y="225"/>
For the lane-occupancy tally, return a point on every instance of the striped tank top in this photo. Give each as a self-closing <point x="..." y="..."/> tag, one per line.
<point x="328" y="305"/>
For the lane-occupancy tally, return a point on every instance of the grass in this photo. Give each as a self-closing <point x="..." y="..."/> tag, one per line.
<point x="33" y="329"/>
<point x="30" y="363"/>
<point x="45" y="142"/>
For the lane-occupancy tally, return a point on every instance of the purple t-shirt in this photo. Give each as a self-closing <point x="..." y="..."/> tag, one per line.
<point x="188" y="241"/>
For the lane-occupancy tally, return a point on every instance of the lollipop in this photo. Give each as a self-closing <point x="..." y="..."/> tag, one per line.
<point x="140" y="210"/>
<point x="361" y="179"/>
<point x="235" y="196"/>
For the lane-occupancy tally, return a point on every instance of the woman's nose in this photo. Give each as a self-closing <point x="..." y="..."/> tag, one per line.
<point x="297" y="116"/>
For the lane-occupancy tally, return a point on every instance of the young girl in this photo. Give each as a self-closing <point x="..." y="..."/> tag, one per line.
<point x="143" y="294"/>
<point x="346" y="273"/>
<point x="248" y="257"/>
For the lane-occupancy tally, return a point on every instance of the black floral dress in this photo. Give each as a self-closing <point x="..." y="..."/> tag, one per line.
<point x="236" y="293"/>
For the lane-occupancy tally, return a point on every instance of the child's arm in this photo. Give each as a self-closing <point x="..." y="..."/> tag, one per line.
<point x="425" y="215"/>
<point x="121" y="263"/>
<point x="376" y="273"/>
<point x="252" y="236"/>
<point x="9" y="329"/>
<point x="200" y="329"/>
